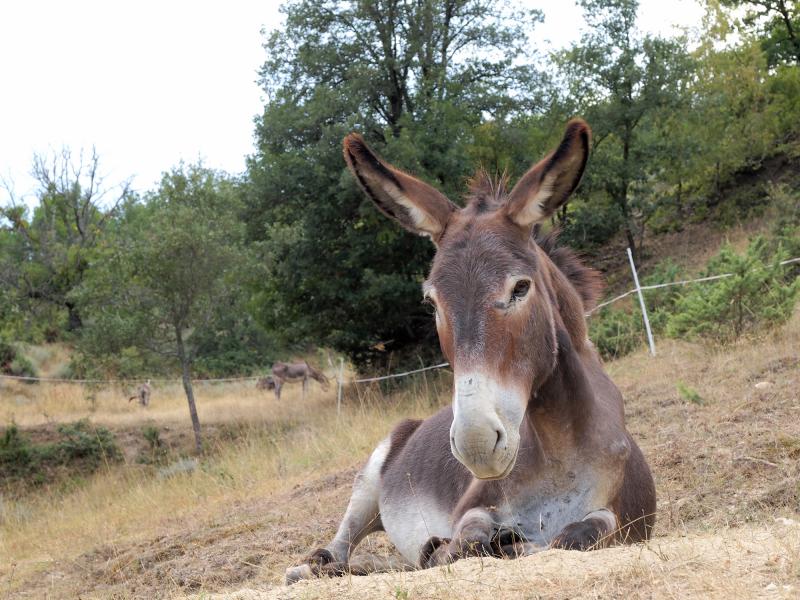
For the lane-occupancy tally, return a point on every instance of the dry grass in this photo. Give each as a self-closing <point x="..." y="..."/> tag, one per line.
<point x="735" y="563"/>
<point x="277" y="446"/>
<point x="725" y="459"/>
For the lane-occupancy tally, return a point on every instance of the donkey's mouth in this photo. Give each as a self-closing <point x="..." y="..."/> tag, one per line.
<point x="483" y="471"/>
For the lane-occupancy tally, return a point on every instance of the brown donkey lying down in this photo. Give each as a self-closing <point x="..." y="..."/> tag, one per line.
<point x="533" y="453"/>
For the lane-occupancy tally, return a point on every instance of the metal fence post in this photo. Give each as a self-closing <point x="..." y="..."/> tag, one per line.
<point x="641" y="303"/>
<point x="339" y="385"/>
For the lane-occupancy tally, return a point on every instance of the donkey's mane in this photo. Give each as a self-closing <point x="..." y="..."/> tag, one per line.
<point x="587" y="282"/>
<point x="487" y="193"/>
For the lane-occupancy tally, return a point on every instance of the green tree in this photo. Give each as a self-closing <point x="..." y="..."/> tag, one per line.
<point x="620" y="80"/>
<point x="44" y="256"/>
<point x="416" y="78"/>
<point x="777" y="25"/>
<point x="173" y="264"/>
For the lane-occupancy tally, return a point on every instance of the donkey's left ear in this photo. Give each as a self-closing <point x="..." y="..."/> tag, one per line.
<point x="549" y="183"/>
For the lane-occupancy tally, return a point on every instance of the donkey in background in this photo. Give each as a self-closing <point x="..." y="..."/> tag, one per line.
<point x="142" y="395"/>
<point x="533" y="453"/>
<point x="291" y="373"/>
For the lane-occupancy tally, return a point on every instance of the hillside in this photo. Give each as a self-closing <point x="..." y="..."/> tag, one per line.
<point x="725" y="461"/>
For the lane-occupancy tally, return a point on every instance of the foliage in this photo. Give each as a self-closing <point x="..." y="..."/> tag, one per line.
<point x="13" y="362"/>
<point x="616" y="332"/>
<point x="173" y="271"/>
<point x="45" y="255"/>
<point x="757" y="294"/>
<point x="689" y="393"/>
<point x="78" y="445"/>
<point x="621" y="80"/>
<point x="416" y="79"/>
<point x="776" y="23"/>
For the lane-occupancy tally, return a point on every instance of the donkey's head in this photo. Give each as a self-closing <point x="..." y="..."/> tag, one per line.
<point x="496" y="294"/>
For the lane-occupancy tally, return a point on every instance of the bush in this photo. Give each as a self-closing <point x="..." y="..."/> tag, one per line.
<point x="12" y="362"/>
<point x="757" y="294"/>
<point x="17" y="457"/>
<point x="85" y="442"/>
<point x="661" y="301"/>
<point x="7" y="354"/>
<point x="81" y="445"/>
<point x="22" y="367"/>
<point x="616" y="332"/>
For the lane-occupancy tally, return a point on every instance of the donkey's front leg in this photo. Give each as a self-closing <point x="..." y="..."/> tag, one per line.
<point x="475" y="534"/>
<point x="596" y="530"/>
<point x="361" y="518"/>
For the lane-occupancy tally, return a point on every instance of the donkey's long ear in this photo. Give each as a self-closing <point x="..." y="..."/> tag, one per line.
<point x="548" y="184"/>
<point x="416" y="205"/>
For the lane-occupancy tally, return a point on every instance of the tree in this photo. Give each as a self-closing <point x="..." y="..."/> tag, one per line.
<point x="173" y="265"/>
<point x="415" y="77"/>
<point x="619" y="79"/>
<point x="45" y="256"/>
<point x="776" y="23"/>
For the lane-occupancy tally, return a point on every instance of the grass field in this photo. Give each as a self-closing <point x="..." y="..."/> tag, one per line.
<point x="276" y="479"/>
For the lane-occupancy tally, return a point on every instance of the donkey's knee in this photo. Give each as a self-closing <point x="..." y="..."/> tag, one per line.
<point x="595" y="531"/>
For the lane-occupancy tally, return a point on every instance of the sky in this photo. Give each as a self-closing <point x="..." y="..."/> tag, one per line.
<point x="151" y="83"/>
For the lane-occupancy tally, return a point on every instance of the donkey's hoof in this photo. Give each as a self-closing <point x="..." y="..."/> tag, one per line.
<point x="319" y="558"/>
<point x="314" y="566"/>
<point x="431" y="552"/>
<point x="295" y="574"/>
<point x="583" y="535"/>
<point x="335" y="569"/>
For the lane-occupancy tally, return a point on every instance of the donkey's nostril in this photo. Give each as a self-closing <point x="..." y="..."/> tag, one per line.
<point x="500" y="443"/>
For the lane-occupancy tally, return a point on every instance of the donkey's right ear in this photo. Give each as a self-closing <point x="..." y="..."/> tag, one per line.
<point x="414" y="204"/>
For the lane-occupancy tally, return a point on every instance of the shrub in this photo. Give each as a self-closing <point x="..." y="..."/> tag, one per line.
<point x="17" y="457"/>
<point x="616" y="332"/>
<point x="757" y="294"/>
<point x="85" y="442"/>
<point x="661" y="301"/>
<point x="80" y="445"/>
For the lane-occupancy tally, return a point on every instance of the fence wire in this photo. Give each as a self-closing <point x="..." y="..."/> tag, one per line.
<point x="367" y="379"/>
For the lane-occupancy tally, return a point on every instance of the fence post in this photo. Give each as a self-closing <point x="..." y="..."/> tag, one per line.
<point x="641" y="303"/>
<point x="339" y="385"/>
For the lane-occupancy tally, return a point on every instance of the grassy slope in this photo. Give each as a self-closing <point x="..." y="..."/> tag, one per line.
<point x="727" y="464"/>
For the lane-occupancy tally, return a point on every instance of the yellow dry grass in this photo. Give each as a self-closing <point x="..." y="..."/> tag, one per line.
<point x="725" y="462"/>
<point x="278" y="445"/>
<point x="748" y="562"/>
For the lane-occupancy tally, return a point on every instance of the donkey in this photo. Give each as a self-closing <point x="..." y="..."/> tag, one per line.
<point x="533" y="453"/>
<point x="142" y="395"/>
<point x="290" y="373"/>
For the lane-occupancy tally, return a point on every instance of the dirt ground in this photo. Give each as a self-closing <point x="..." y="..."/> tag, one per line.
<point x="727" y="469"/>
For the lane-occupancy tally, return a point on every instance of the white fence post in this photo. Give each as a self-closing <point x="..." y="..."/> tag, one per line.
<point x="641" y="303"/>
<point x="339" y="385"/>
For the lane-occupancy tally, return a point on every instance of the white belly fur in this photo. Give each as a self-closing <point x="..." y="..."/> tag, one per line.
<point x="538" y="515"/>
<point x="410" y="522"/>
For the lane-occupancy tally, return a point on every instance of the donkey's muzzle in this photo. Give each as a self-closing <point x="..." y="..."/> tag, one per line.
<point x="484" y="436"/>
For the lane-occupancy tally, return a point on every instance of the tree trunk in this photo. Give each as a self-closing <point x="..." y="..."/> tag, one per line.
<point x="623" y="202"/>
<point x="74" y="321"/>
<point x="187" y="387"/>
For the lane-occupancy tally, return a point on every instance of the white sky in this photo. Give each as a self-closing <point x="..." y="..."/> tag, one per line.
<point x="149" y="83"/>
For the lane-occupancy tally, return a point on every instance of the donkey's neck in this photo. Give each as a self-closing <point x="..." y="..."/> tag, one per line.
<point x="565" y="397"/>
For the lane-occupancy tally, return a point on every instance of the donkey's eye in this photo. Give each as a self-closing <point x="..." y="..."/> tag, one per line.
<point x="520" y="290"/>
<point x="430" y="305"/>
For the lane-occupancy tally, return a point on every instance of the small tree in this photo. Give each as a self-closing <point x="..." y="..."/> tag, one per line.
<point x="44" y="253"/>
<point x="756" y="294"/>
<point x="166" y="275"/>
<point x="620" y="79"/>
